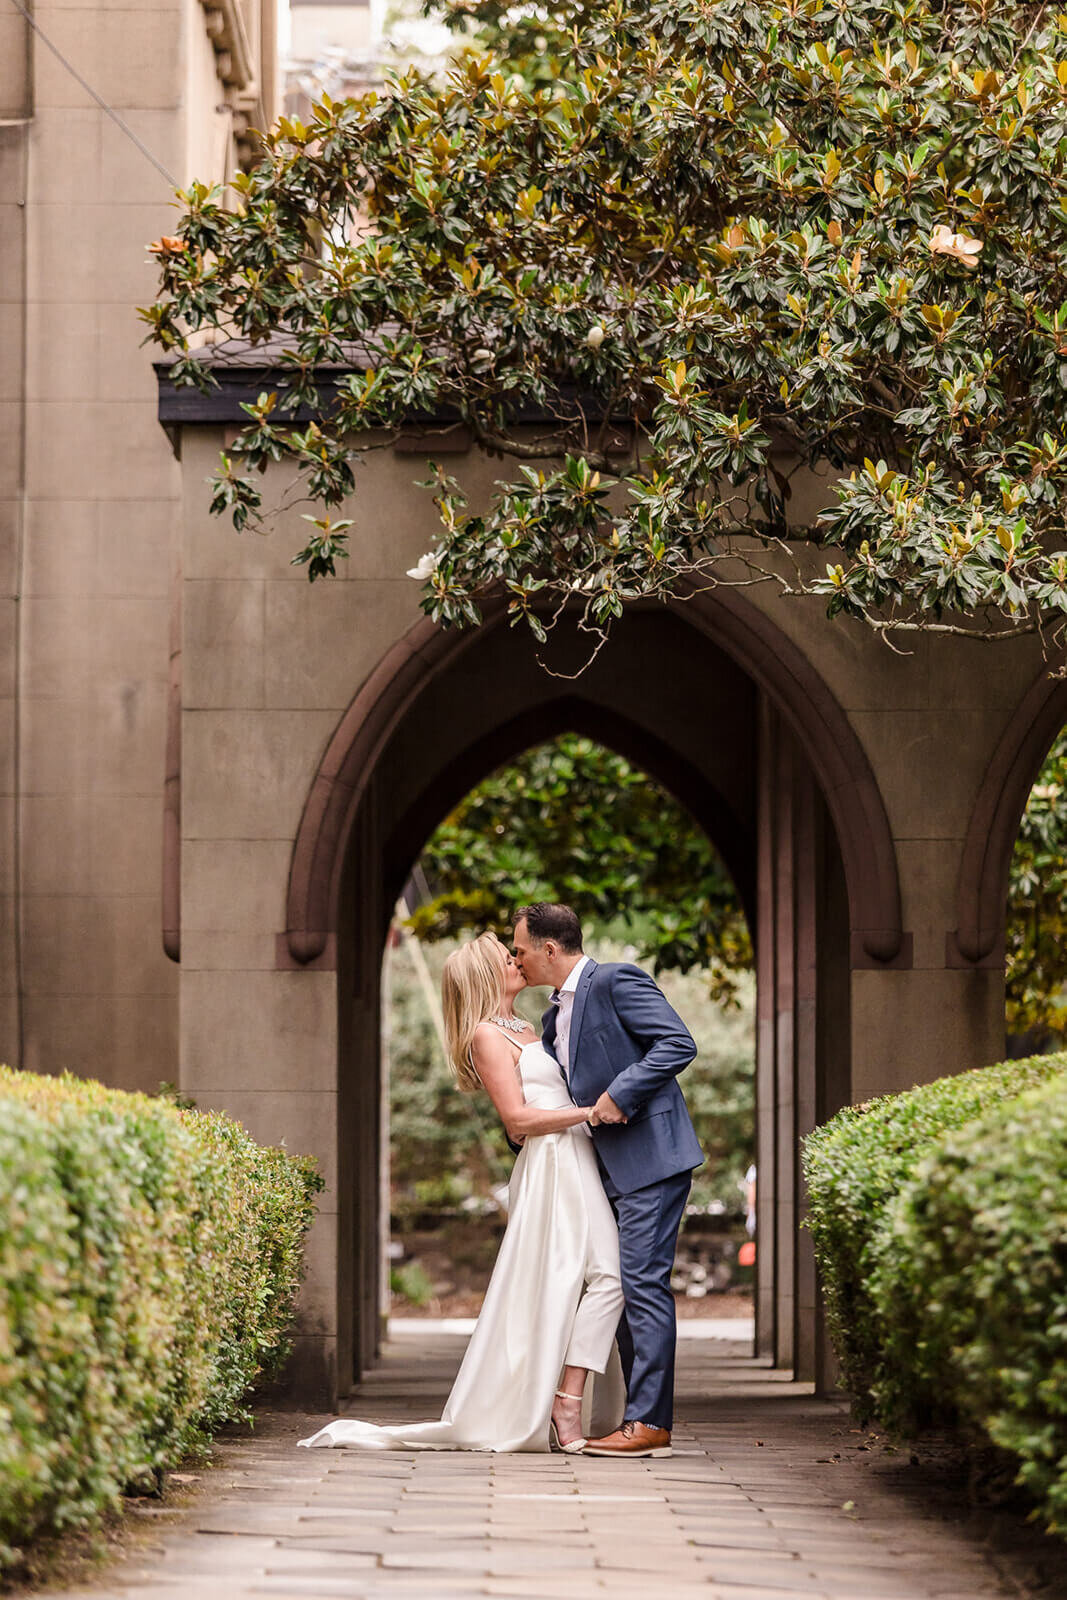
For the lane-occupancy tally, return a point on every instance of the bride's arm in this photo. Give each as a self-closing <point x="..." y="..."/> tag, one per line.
<point x="494" y="1061"/>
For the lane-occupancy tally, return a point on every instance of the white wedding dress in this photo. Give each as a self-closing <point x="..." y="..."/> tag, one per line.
<point x="554" y="1299"/>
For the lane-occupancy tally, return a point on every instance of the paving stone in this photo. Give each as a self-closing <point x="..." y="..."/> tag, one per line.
<point x="759" y="1591"/>
<point x="724" y="1518"/>
<point x="199" y="1588"/>
<point x="234" y="1559"/>
<point x="416" y="1585"/>
<point x="735" y="1545"/>
<point x="344" y="1588"/>
<point x="580" y="1587"/>
<point x="330" y="1543"/>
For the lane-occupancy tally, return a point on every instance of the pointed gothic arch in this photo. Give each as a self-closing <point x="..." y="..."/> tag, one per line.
<point x="713" y="700"/>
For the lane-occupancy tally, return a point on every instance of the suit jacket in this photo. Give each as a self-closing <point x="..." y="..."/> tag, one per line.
<point x="625" y="1038"/>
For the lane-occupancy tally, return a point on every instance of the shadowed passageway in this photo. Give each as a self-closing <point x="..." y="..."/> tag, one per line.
<point x="770" y="1494"/>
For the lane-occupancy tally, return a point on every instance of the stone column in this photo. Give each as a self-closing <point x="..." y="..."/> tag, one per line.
<point x="766" y="971"/>
<point x="802" y="1033"/>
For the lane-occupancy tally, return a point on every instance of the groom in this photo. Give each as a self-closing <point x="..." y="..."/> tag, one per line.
<point x="620" y="1047"/>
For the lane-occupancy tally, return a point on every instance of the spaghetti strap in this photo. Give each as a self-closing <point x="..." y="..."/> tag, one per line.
<point x="510" y="1037"/>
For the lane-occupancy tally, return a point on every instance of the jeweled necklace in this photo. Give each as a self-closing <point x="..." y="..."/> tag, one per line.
<point x="512" y="1024"/>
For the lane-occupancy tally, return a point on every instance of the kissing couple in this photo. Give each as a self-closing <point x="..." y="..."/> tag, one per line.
<point x="596" y="1197"/>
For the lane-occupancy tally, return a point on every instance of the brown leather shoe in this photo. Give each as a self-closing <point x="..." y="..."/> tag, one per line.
<point x="632" y="1439"/>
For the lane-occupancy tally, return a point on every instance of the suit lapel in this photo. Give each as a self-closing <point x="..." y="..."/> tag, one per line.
<point x="581" y="994"/>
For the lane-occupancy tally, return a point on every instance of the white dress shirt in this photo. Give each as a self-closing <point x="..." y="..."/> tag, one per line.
<point x="564" y="999"/>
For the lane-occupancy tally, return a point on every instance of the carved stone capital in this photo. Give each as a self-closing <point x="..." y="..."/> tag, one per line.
<point x="233" y="55"/>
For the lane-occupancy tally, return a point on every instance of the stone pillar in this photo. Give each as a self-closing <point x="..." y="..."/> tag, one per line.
<point x="14" y="145"/>
<point x="766" y="1048"/>
<point x="259" y="1032"/>
<point x="802" y="1033"/>
<point x="360" y="948"/>
<point x="806" y="850"/>
<point x="785" y="763"/>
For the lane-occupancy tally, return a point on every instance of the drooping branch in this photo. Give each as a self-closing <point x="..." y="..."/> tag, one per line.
<point x="723" y="226"/>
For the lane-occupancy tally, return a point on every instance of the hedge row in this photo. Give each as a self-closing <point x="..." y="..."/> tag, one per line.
<point x="940" y="1219"/>
<point x="149" y="1262"/>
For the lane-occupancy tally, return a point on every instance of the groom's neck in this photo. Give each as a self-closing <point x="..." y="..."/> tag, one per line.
<point x="567" y="966"/>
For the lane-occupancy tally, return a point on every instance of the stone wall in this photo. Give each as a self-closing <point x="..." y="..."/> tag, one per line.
<point x="90" y="493"/>
<point x="279" y="1024"/>
<point x="158" y="668"/>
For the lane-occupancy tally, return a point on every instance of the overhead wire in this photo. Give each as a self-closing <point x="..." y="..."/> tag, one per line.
<point x="91" y="92"/>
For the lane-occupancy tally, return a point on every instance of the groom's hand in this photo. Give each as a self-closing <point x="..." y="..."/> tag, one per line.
<point x="606" y="1110"/>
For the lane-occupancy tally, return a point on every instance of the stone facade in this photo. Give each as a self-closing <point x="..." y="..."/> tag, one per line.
<point x="89" y="504"/>
<point x="327" y="729"/>
<point x="172" y="693"/>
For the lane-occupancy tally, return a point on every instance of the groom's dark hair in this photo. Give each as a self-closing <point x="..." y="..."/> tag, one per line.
<point x="547" y="921"/>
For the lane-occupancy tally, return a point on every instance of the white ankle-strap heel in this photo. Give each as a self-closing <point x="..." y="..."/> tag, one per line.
<point x="576" y="1446"/>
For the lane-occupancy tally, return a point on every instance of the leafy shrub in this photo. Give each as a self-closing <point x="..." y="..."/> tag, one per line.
<point x="149" y="1261"/>
<point x="855" y="1166"/>
<point x="412" y="1281"/>
<point x="974" y="1289"/>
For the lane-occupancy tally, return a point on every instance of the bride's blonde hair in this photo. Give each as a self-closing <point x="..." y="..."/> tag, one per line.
<point x="472" y="991"/>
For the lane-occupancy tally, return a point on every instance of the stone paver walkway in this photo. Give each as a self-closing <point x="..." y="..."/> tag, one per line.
<point x="770" y="1495"/>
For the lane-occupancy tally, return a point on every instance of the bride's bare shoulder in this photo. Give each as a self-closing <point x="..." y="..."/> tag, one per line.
<point x="487" y="1039"/>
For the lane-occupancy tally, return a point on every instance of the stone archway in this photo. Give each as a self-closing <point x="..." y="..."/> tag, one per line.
<point x="985" y="860"/>
<point x="744" y="634"/>
<point x="712" y="700"/>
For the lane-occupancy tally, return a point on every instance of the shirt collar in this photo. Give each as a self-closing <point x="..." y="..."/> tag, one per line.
<point x="570" y="982"/>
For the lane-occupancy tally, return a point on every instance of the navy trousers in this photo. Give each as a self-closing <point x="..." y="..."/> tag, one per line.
<point x="648" y="1221"/>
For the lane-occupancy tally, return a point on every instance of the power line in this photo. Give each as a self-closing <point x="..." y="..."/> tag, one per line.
<point x="91" y="92"/>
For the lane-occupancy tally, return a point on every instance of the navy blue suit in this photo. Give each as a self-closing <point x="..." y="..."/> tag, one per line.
<point x="627" y="1040"/>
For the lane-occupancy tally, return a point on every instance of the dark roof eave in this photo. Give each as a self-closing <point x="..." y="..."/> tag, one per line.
<point x="235" y="385"/>
<point x="243" y="371"/>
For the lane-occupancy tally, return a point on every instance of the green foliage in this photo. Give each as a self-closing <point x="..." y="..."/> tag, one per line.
<point x="720" y="1086"/>
<point x="714" y="245"/>
<point x="149" y="1261"/>
<point x="1037" y="898"/>
<point x="973" y="1290"/>
<point x="855" y="1166"/>
<point x="573" y="821"/>
<point x="412" y="1281"/>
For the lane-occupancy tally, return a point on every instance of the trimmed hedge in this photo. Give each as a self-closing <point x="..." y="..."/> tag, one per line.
<point x="855" y="1165"/>
<point x="976" y="1287"/>
<point x="955" y="1276"/>
<point x="149" y="1262"/>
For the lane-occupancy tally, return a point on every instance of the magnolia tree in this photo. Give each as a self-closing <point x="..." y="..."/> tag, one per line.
<point x="658" y="256"/>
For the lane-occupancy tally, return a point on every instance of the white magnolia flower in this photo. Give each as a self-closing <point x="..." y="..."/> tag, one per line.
<point x="595" y="337"/>
<point x="427" y="566"/>
<point x="943" y="242"/>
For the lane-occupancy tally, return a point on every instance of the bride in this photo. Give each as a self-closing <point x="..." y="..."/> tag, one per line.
<point x="554" y="1299"/>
